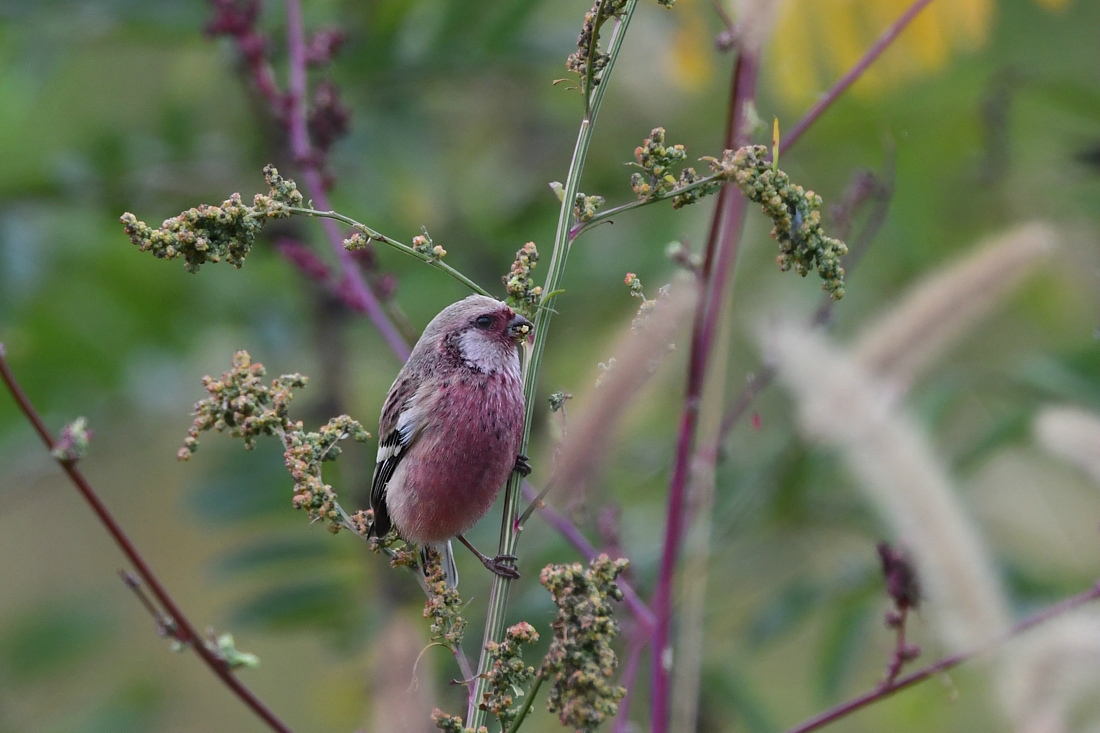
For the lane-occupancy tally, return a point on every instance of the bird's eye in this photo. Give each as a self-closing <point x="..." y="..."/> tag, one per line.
<point x="483" y="321"/>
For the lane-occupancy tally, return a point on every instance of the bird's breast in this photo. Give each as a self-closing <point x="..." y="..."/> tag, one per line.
<point x="456" y="468"/>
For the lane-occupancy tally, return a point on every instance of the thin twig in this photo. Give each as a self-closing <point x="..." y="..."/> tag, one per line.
<point x="888" y="36"/>
<point x="185" y="630"/>
<point x="165" y="625"/>
<point x="602" y="217"/>
<point x="133" y="582"/>
<point x="727" y="39"/>
<point x="377" y="236"/>
<point x="900" y="657"/>
<point x="885" y="690"/>
<point x="638" y="608"/>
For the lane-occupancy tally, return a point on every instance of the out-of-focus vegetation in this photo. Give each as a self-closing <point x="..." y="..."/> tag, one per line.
<point x="457" y="126"/>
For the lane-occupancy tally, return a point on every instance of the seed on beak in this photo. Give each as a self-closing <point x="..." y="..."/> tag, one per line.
<point x="520" y="328"/>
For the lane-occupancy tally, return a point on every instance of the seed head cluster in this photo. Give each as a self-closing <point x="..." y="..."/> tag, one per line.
<point x="581" y="662"/>
<point x="523" y="295"/>
<point x="214" y="233"/>
<point x="245" y="406"/>
<point x="443" y="606"/>
<point x="795" y="212"/>
<point x="508" y="674"/>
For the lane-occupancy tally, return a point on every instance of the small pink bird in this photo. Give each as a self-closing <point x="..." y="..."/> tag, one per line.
<point x="451" y="428"/>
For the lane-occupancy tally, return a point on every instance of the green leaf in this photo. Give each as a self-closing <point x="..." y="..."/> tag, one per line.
<point x="793" y="605"/>
<point x="267" y="554"/>
<point x="313" y="603"/>
<point x="845" y="637"/>
<point x="52" y="638"/>
<point x="242" y="484"/>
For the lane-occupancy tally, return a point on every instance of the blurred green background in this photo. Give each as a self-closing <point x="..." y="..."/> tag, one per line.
<point x="456" y="125"/>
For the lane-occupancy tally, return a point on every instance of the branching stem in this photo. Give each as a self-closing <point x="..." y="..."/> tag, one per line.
<point x="311" y="162"/>
<point x="717" y="273"/>
<point x="891" y="686"/>
<point x="888" y="36"/>
<point x="376" y="236"/>
<point x="184" y="630"/>
<point x="603" y="216"/>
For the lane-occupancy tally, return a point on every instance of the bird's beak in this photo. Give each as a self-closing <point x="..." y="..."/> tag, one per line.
<point x="520" y="329"/>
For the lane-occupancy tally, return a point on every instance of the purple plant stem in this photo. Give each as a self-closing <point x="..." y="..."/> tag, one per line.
<point x="900" y="656"/>
<point x="638" y="608"/>
<point x="721" y="253"/>
<point x="889" y="688"/>
<point x="358" y="292"/>
<point x="888" y="36"/>
<point x="251" y="46"/>
<point x="634" y="650"/>
<point x="184" y="629"/>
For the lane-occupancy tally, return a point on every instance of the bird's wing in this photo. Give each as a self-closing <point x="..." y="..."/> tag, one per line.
<point x="399" y="427"/>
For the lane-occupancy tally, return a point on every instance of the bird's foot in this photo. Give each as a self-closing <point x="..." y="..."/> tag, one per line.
<point x="523" y="465"/>
<point x="502" y="566"/>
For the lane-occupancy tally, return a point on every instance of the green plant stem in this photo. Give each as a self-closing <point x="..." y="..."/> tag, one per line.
<point x="399" y="246"/>
<point x="527" y="703"/>
<point x="498" y="598"/>
<point x="601" y="217"/>
<point x="589" y="70"/>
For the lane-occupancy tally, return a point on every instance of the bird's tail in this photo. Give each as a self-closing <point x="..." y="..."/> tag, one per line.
<point x="446" y="559"/>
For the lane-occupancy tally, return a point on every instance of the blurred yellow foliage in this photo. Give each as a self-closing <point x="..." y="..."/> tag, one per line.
<point x="816" y="42"/>
<point x="691" y="52"/>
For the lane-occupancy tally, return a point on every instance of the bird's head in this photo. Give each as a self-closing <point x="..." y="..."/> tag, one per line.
<point x="485" y="331"/>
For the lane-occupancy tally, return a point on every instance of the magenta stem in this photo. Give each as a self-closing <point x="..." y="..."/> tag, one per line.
<point x="638" y="608"/>
<point x="637" y="644"/>
<point x="888" y="36"/>
<point x="357" y="294"/>
<point x="899" y="657"/>
<point x="717" y="273"/>
<point x="889" y="688"/>
<point x="717" y="270"/>
<point x="184" y="630"/>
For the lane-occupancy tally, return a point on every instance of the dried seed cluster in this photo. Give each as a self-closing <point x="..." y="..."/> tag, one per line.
<point x="581" y="662"/>
<point x="212" y="233"/>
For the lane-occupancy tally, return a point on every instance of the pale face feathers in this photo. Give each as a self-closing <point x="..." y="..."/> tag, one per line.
<point x="484" y="332"/>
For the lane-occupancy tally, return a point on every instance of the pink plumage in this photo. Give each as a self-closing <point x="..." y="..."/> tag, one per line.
<point x="451" y="427"/>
